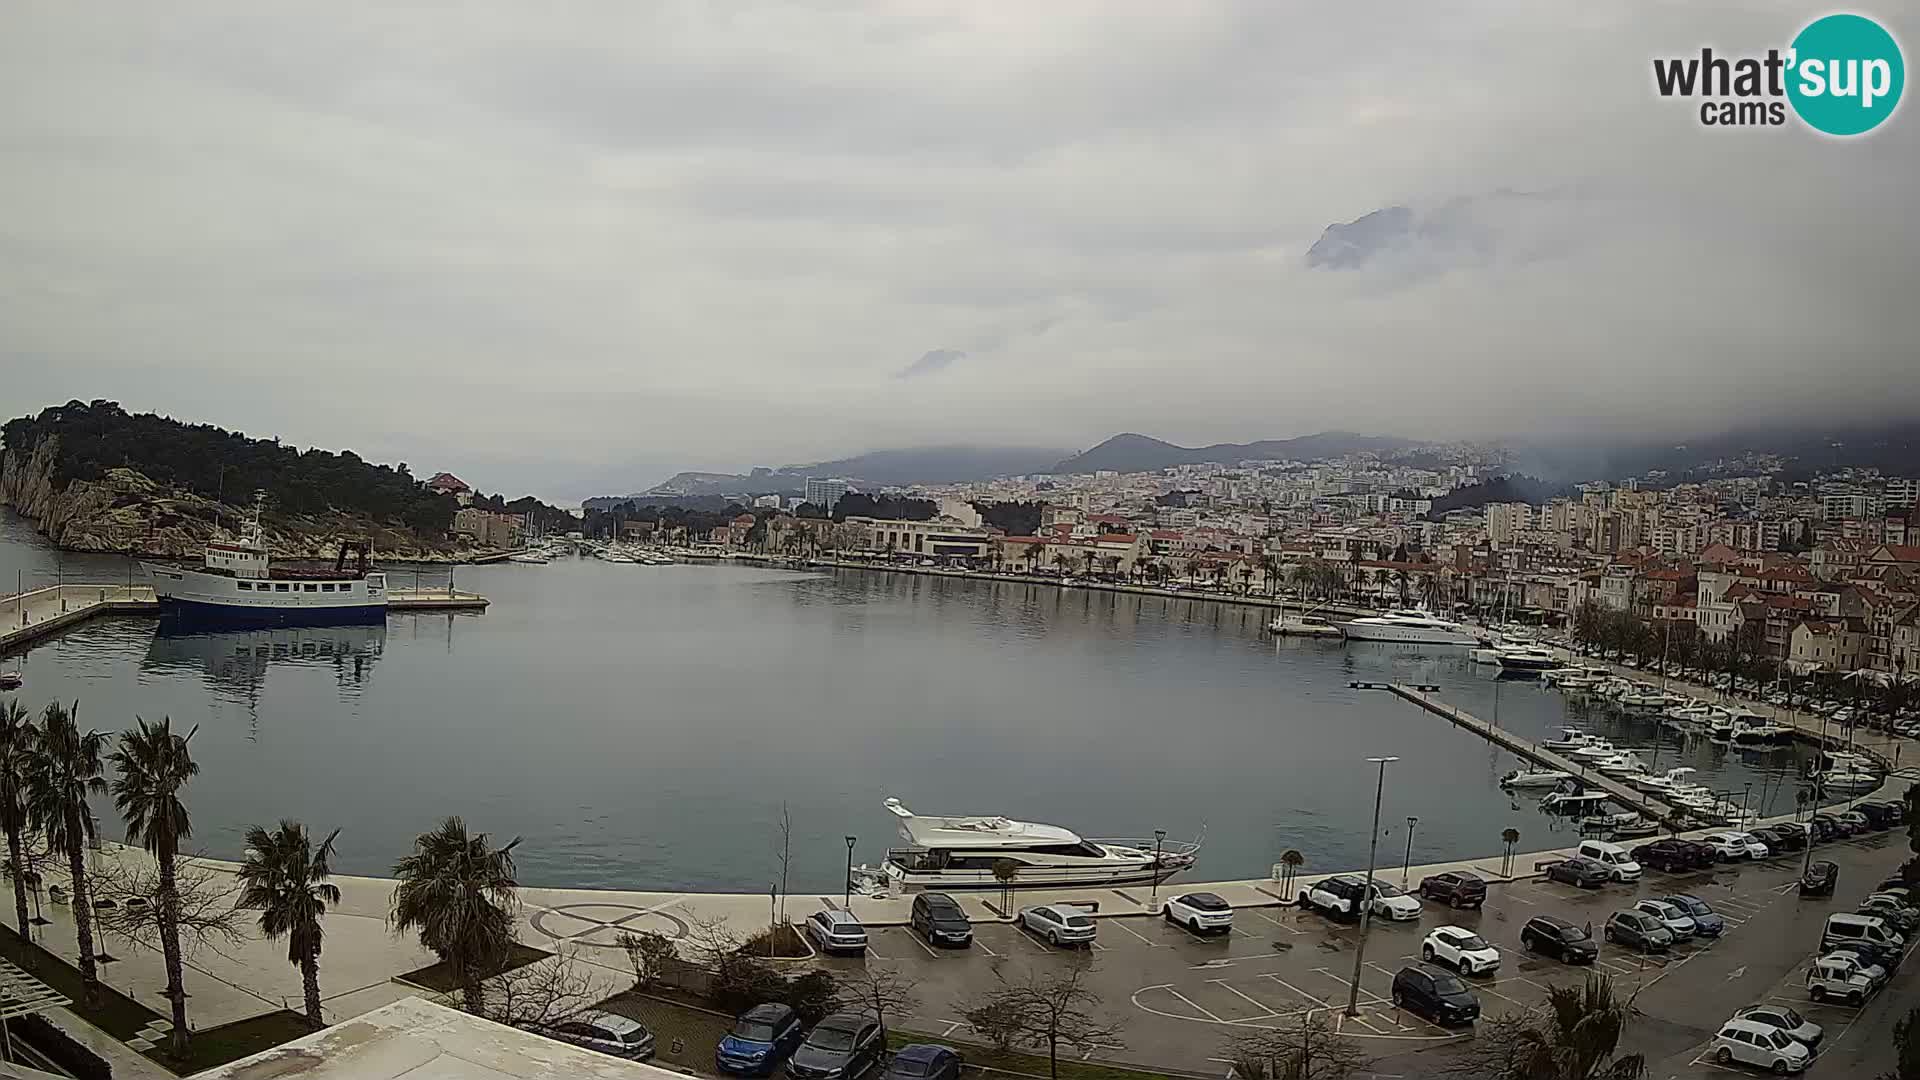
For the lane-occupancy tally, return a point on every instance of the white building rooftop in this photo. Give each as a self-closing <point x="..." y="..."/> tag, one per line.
<point x="419" y="1040"/>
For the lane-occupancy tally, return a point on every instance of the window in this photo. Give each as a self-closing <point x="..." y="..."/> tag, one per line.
<point x="310" y="587"/>
<point x="328" y="587"/>
<point x="281" y="586"/>
<point x="246" y="586"/>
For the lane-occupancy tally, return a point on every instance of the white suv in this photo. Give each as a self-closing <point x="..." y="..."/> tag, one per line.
<point x="1200" y="912"/>
<point x="1466" y="951"/>
<point x="1753" y="1043"/>
<point x="1733" y="845"/>
<point x="1338" y="896"/>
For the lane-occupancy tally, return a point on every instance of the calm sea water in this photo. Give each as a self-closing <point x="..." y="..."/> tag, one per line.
<point x="641" y="727"/>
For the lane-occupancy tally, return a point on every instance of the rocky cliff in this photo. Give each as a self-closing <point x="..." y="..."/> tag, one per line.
<point x="124" y="510"/>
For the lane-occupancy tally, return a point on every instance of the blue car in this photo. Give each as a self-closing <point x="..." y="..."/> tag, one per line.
<point x="1706" y="921"/>
<point x="761" y="1039"/>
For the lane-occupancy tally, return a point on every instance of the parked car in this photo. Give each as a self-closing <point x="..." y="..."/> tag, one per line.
<point x="1456" y="888"/>
<point x="1842" y="977"/>
<point x="1461" y="949"/>
<point x="1769" y="838"/>
<point x="1338" y="896"/>
<point x="1638" y="930"/>
<point x="924" y="1061"/>
<point x="1750" y="1042"/>
<point x="1201" y="912"/>
<point x="1707" y="922"/>
<point x="1392" y="902"/>
<point x="1893" y="909"/>
<point x="609" y="1033"/>
<point x="938" y="918"/>
<point x="1879" y="815"/>
<point x="1835" y="828"/>
<point x="841" y="1047"/>
<point x="1735" y="845"/>
<point x="1671" y="915"/>
<point x="1060" y="924"/>
<point x="1792" y="836"/>
<point x="1584" y="873"/>
<point x="1784" y="1019"/>
<point x="1819" y="879"/>
<point x="1439" y="996"/>
<point x="1672" y="856"/>
<point x="836" y="931"/>
<point x="1619" y="863"/>
<point x="1553" y="936"/>
<point x="762" y="1037"/>
<point x="1856" y="821"/>
<point x="1870" y="953"/>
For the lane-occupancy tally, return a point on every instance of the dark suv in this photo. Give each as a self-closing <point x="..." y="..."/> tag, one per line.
<point x="1439" y="996"/>
<point x="939" y="919"/>
<point x="1458" y="888"/>
<point x="1560" y="939"/>
<point x="1673" y="856"/>
<point x="841" y="1047"/>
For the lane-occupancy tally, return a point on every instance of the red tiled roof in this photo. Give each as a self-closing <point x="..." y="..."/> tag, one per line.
<point x="1903" y="553"/>
<point x="1117" y="538"/>
<point x="1167" y="534"/>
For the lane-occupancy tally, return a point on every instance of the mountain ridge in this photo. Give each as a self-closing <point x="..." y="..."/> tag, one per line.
<point x="1133" y="452"/>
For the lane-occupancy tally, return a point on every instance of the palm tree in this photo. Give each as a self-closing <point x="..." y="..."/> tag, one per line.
<point x="153" y="764"/>
<point x="63" y="771"/>
<point x="16" y="750"/>
<point x="457" y="890"/>
<point x="286" y="880"/>
<point x="1578" y="1033"/>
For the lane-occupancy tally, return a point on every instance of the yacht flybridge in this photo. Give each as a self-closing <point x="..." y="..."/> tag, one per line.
<point x="963" y="853"/>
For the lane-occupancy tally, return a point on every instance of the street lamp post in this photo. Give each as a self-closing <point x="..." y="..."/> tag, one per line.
<point x="1406" y="866"/>
<point x="1159" y="837"/>
<point x="1366" y="893"/>
<point x="846" y="899"/>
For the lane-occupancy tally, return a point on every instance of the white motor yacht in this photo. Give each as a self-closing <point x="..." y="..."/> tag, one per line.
<point x="1285" y="625"/>
<point x="963" y="853"/>
<point x="1410" y="626"/>
<point x="1571" y="739"/>
<point x="1596" y="750"/>
<point x="1534" y="778"/>
<point x="1847" y="779"/>
<point x="1525" y="658"/>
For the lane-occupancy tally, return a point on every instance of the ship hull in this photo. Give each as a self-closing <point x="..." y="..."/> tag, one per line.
<point x="194" y="613"/>
<point x="1406" y="635"/>
<point x="209" y="599"/>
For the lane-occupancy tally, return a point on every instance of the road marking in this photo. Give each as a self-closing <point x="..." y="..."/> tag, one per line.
<point x="1488" y="989"/>
<point x="984" y="947"/>
<point x="1736" y="972"/>
<point x="1289" y="928"/>
<point x="915" y="938"/>
<point x="1364" y="992"/>
<point x="1323" y="1003"/>
<point x="1202" y="1009"/>
<point x="1150" y="943"/>
<point x="1255" y="1002"/>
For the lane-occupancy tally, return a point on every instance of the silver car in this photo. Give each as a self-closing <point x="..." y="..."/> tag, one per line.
<point x="609" y="1033"/>
<point x="836" y="931"/>
<point x="1060" y="924"/>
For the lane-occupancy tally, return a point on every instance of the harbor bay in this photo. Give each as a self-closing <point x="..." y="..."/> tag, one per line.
<point x="642" y="726"/>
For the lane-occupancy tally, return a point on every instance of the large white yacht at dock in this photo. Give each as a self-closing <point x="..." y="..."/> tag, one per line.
<point x="1410" y="626"/>
<point x="963" y="852"/>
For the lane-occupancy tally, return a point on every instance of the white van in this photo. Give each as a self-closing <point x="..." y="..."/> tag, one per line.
<point x="1613" y="857"/>
<point x="1871" y="929"/>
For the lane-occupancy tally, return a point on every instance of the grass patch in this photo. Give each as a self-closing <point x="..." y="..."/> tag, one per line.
<point x="440" y="976"/>
<point x="116" y="1014"/>
<point x="986" y="1057"/>
<point x="696" y="1032"/>
<point x="231" y="1042"/>
<point x="784" y="942"/>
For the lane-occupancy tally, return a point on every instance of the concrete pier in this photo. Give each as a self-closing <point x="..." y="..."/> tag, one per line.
<point x="1533" y="751"/>
<point x="434" y="600"/>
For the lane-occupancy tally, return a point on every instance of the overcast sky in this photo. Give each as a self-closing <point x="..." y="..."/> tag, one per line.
<point x="572" y="248"/>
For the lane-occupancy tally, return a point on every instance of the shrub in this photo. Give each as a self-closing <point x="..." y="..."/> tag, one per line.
<point x="65" y="1051"/>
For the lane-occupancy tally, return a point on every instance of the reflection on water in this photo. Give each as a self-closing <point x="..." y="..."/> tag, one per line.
<point x="235" y="663"/>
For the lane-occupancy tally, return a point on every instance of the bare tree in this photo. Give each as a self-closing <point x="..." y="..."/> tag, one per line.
<point x="1300" y="1047"/>
<point x="1046" y="1009"/>
<point x="784" y="852"/>
<point x="126" y="894"/>
<point x="880" y="990"/>
<point x="650" y="954"/>
<point x="539" y="995"/>
<point x="711" y="940"/>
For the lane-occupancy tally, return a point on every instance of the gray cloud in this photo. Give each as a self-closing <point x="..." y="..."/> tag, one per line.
<point x="604" y="239"/>
<point x="931" y="362"/>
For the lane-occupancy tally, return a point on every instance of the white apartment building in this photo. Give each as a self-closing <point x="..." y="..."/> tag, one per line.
<point x="1506" y="520"/>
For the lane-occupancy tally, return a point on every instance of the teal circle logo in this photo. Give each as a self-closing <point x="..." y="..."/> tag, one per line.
<point x="1846" y="75"/>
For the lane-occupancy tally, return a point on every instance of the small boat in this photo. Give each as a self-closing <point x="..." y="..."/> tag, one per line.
<point x="1284" y="625"/>
<point x="1643" y="698"/>
<point x="10" y="680"/>
<point x="1534" y="778"/>
<point x="1570" y="739"/>
<point x="528" y="556"/>
<point x="1765" y="733"/>
<point x="1567" y="802"/>
<point x="1597" y="750"/>
<point x="1847" y="779"/>
<point x="1626" y="825"/>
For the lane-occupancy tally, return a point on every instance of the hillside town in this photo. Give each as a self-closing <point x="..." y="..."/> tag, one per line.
<point x="1823" y="573"/>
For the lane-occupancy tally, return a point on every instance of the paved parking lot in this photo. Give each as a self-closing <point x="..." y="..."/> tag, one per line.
<point x="1182" y="997"/>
